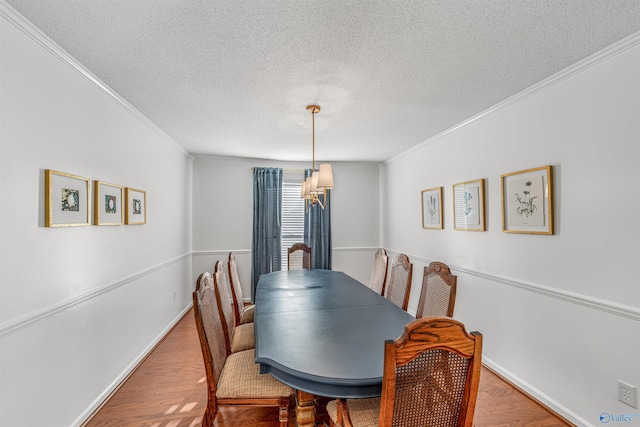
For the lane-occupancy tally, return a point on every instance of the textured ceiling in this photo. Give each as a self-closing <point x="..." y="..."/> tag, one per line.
<point x="233" y="77"/>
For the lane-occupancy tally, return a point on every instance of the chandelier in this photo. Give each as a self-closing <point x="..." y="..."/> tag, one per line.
<point x="314" y="188"/>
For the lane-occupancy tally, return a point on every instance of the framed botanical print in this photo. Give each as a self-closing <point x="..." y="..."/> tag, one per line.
<point x="468" y="206"/>
<point x="527" y="201"/>
<point x="66" y="199"/>
<point x="136" y="206"/>
<point x="107" y="204"/>
<point x="432" y="208"/>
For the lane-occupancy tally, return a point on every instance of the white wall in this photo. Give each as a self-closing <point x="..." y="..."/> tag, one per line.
<point x="80" y="305"/>
<point x="560" y="314"/>
<point x="222" y="214"/>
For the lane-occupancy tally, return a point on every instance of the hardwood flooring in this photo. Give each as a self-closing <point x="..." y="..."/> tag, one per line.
<point x="168" y="390"/>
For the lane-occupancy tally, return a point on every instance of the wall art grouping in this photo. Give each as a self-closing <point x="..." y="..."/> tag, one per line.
<point x="526" y="201"/>
<point x="68" y="202"/>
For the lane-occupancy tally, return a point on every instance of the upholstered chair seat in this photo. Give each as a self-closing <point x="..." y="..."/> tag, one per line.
<point x="243" y="338"/>
<point x="233" y="379"/>
<point x="241" y="378"/>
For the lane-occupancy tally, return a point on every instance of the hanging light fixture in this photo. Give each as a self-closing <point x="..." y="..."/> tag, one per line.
<point x="320" y="180"/>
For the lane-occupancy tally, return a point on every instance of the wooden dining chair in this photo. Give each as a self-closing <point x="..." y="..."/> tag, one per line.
<point x="232" y="379"/>
<point x="379" y="274"/>
<point x="242" y="313"/>
<point x="430" y="379"/>
<point x="298" y="257"/>
<point x="399" y="285"/>
<point x="438" y="293"/>
<point x="240" y="337"/>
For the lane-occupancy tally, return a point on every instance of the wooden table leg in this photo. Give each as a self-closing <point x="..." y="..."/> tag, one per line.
<point x="305" y="409"/>
<point x="322" y="417"/>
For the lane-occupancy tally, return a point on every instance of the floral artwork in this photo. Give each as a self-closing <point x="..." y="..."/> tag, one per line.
<point x="65" y="199"/>
<point x="432" y="208"/>
<point x="137" y="206"/>
<point x="110" y="204"/>
<point x="526" y="201"/>
<point x="468" y="203"/>
<point x="70" y="200"/>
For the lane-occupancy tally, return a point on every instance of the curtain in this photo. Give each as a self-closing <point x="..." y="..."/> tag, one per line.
<point x="317" y="231"/>
<point x="267" y="208"/>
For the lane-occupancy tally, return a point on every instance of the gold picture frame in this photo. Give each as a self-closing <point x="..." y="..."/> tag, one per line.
<point x="431" y="200"/>
<point x="527" y="201"/>
<point x="468" y="205"/>
<point x="107" y="204"/>
<point x="136" y="206"/>
<point x="66" y="199"/>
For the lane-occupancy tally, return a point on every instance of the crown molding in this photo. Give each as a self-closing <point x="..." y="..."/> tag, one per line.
<point x="14" y="18"/>
<point x="580" y="66"/>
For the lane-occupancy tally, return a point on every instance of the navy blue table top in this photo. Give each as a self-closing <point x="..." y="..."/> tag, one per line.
<point x="323" y="332"/>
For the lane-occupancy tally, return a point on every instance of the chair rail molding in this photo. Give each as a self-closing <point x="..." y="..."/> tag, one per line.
<point x="225" y="252"/>
<point x="28" y="319"/>
<point x="610" y="307"/>
<point x="588" y="62"/>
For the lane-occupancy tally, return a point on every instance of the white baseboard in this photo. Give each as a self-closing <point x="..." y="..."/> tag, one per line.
<point x="536" y="394"/>
<point x="120" y="379"/>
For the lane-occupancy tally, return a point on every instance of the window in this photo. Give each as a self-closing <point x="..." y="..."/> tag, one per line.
<point x="292" y="230"/>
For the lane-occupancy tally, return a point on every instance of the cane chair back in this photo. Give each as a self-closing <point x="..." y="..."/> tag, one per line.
<point x="379" y="273"/>
<point x="200" y="283"/>
<point x="298" y="257"/>
<point x="212" y="339"/>
<point x="231" y="379"/>
<point x="242" y="314"/>
<point x="240" y="337"/>
<point x="430" y="379"/>
<point x="399" y="285"/>
<point x="438" y="293"/>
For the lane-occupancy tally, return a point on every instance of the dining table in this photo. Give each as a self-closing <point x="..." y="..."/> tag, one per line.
<point x="322" y="332"/>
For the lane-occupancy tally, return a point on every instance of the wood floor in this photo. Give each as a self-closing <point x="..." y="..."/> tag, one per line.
<point x="168" y="390"/>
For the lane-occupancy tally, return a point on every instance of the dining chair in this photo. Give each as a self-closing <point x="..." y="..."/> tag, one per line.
<point x="242" y="313"/>
<point x="430" y="379"/>
<point x="298" y="257"/>
<point x="399" y="285"/>
<point x="240" y="337"/>
<point x="438" y="293"/>
<point x="379" y="274"/>
<point x="232" y="379"/>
